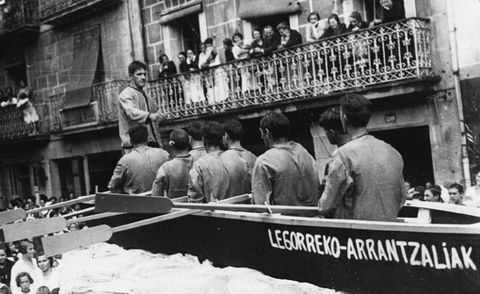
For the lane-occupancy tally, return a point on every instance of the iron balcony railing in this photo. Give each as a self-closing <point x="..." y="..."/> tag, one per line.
<point x="17" y="14"/>
<point x="389" y="53"/>
<point x="104" y="100"/>
<point x="14" y="124"/>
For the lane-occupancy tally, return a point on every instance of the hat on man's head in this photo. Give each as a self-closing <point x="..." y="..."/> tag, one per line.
<point x="179" y="139"/>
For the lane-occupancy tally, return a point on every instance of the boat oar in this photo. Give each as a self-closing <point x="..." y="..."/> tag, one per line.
<point x="54" y="245"/>
<point x="33" y="228"/>
<point x="153" y="204"/>
<point x="11" y="216"/>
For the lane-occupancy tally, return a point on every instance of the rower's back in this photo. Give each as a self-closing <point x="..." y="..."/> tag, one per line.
<point x="378" y="189"/>
<point x="286" y="174"/>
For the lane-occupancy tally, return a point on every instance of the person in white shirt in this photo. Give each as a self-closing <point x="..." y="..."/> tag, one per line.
<point x="49" y="276"/>
<point x="26" y="263"/>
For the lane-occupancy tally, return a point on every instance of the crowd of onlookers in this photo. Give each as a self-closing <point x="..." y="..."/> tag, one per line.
<point x="24" y="268"/>
<point x="454" y="193"/>
<point x="269" y="38"/>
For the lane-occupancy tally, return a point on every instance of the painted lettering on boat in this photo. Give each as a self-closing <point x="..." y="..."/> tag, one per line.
<point x="391" y="250"/>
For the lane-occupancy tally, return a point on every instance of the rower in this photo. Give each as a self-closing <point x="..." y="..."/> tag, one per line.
<point x="231" y="140"/>
<point x="216" y="176"/>
<point x="195" y="131"/>
<point x="136" y="170"/>
<point x="365" y="178"/>
<point x="286" y="174"/>
<point x="172" y="176"/>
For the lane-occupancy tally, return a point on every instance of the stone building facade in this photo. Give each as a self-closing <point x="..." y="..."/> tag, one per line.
<point x="74" y="55"/>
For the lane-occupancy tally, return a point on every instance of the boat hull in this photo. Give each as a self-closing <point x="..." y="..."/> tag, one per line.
<point x="369" y="258"/>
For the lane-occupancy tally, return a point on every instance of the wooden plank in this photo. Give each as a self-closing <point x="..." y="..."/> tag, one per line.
<point x="131" y="203"/>
<point x="11" y="216"/>
<point x="29" y="229"/>
<point x="53" y="245"/>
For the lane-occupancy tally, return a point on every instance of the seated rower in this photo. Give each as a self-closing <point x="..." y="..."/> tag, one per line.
<point x="365" y="179"/>
<point x="172" y="176"/>
<point x="216" y="176"/>
<point x="136" y="170"/>
<point x="286" y="174"/>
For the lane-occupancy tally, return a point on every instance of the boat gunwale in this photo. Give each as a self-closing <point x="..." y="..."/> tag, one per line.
<point x="343" y="223"/>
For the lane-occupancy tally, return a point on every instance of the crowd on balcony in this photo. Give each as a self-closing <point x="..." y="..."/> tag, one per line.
<point x="271" y="38"/>
<point x="23" y="100"/>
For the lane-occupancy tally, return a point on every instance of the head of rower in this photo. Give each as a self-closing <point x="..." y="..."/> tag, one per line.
<point x="233" y="134"/>
<point x="274" y="129"/>
<point x="138" y="135"/>
<point x="330" y="121"/>
<point x="180" y="142"/>
<point x="212" y="135"/>
<point x="355" y="112"/>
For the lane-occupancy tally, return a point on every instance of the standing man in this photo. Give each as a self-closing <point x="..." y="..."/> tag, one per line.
<point x="135" y="107"/>
<point x="136" y="170"/>
<point x="231" y="140"/>
<point x="172" y="176"/>
<point x="365" y="178"/>
<point x="215" y="176"/>
<point x="286" y="174"/>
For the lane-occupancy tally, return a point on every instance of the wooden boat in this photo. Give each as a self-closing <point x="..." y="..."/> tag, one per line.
<point x="433" y="248"/>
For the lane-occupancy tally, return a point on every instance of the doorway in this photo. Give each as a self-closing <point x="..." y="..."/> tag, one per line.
<point x="100" y="169"/>
<point x="414" y="146"/>
<point x="72" y="177"/>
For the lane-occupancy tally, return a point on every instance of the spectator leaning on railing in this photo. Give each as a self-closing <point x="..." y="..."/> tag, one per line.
<point x="288" y="37"/>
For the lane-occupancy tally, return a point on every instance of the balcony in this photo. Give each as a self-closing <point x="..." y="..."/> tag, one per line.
<point x="62" y="11"/>
<point x="14" y="128"/>
<point x="391" y="53"/>
<point x="20" y="18"/>
<point x="101" y="112"/>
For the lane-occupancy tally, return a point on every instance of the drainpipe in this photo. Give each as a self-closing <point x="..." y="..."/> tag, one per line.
<point x="458" y="94"/>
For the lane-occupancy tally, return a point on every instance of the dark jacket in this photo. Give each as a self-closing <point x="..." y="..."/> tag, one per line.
<point x="271" y="44"/>
<point x="341" y="28"/>
<point x="397" y="12"/>
<point x="294" y="39"/>
<point x="183" y="67"/>
<point x="229" y="55"/>
<point x="168" y="70"/>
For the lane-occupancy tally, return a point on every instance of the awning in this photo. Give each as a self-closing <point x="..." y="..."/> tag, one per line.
<point x="254" y="8"/>
<point x="181" y="10"/>
<point x="86" y="46"/>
